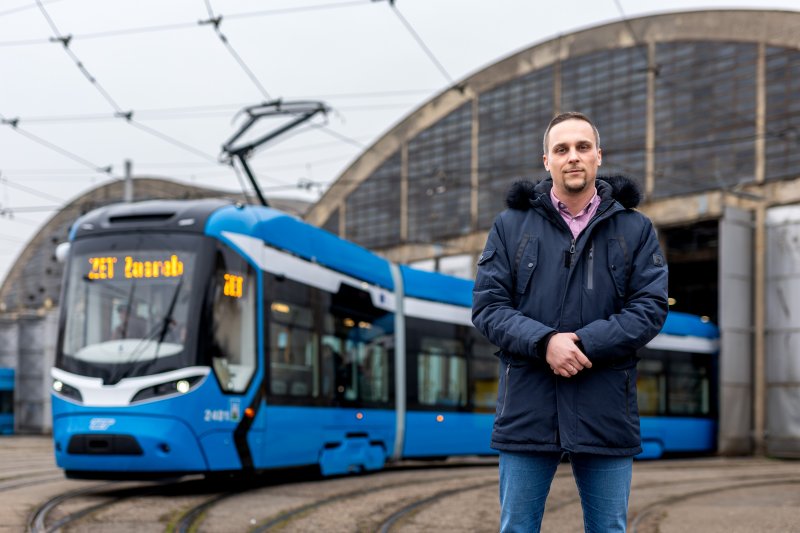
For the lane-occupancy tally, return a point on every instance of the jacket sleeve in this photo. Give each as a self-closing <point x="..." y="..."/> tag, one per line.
<point x="493" y="310"/>
<point x="645" y="308"/>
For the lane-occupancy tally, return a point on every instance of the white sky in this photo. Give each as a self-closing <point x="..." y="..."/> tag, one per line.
<point x="355" y="55"/>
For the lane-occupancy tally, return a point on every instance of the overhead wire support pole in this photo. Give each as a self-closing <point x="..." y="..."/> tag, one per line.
<point x="302" y="110"/>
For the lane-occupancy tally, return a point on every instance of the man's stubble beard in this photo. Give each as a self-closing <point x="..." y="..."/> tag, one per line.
<point x="576" y="189"/>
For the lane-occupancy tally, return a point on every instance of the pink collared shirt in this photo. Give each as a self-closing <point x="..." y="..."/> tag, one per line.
<point x="578" y="222"/>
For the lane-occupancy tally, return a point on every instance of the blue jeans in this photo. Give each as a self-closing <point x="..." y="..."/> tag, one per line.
<point x="604" y="484"/>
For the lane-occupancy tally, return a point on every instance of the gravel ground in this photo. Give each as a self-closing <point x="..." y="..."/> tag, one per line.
<point x="709" y="495"/>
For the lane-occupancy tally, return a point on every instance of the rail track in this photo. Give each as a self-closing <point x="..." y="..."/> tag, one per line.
<point x="291" y="517"/>
<point x="401" y="499"/>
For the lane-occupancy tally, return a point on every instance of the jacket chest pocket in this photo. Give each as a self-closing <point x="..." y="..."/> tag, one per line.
<point x="526" y="260"/>
<point x="618" y="264"/>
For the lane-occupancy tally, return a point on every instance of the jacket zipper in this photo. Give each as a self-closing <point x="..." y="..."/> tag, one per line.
<point x="572" y="252"/>
<point x="505" y="391"/>
<point x="551" y="213"/>
<point x="590" y="275"/>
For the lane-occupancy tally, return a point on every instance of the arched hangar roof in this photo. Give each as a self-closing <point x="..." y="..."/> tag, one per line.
<point x="645" y="82"/>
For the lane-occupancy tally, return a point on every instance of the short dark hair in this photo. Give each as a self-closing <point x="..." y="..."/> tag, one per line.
<point x="563" y="117"/>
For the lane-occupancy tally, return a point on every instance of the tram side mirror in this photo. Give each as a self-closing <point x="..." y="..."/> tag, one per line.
<point x="62" y="252"/>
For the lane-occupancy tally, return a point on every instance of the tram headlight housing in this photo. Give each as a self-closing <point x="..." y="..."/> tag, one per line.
<point x="178" y="386"/>
<point x="66" y="391"/>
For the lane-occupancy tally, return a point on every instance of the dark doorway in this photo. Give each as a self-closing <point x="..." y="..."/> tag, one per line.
<point x="693" y="256"/>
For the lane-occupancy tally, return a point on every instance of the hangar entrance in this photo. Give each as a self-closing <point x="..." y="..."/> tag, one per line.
<point x="711" y="274"/>
<point x="692" y="254"/>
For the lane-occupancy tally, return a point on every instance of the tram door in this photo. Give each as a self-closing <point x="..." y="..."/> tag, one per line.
<point x="438" y="421"/>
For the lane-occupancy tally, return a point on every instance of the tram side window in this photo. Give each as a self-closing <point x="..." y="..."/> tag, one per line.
<point x="6" y="402"/>
<point x="441" y="373"/>
<point x="689" y="393"/>
<point x="674" y="383"/>
<point x="484" y="373"/>
<point x="6" y="411"/>
<point x="651" y="387"/>
<point x="357" y="345"/>
<point x="293" y="339"/>
<point x="233" y="345"/>
<point x="441" y="364"/>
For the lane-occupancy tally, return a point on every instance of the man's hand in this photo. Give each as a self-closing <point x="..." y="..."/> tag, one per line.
<point x="564" y="356"/>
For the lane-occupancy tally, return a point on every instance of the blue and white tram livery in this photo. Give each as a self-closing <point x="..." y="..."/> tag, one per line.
<point x="202" y="336"/>
<point x="677" y="388"/>
<point x="210" y="337"/>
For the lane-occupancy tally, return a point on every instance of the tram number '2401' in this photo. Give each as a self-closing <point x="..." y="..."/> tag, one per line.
<point x="223" y="415"/>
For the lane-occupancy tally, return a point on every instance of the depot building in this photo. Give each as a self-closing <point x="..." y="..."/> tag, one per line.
<point x="701" y="109"/>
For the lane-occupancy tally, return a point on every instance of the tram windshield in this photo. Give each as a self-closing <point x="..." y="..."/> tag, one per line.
<point x="127" y="305"/>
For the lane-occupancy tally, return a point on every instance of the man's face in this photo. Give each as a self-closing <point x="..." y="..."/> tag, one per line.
<point x="572" y="157"/>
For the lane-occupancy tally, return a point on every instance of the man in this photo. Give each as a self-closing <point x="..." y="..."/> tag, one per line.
<point x="570" y="284"/>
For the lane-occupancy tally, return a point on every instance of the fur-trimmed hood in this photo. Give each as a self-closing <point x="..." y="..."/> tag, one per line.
<point x="622" y="189"/>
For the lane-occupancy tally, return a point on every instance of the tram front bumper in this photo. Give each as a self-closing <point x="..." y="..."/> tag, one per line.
<point x="118" y="444"/>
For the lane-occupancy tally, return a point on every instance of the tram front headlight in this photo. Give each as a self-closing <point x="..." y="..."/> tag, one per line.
<point x="181" y="386"/>
<point x="66" y="391"/>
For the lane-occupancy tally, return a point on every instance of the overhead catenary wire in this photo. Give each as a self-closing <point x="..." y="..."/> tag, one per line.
<point x="128" y="115"/>
<point x="64" y="40"/>
<point x="179" y="114"/>
<point x="633" y="33"/>
<point x="11" y="239"/>
<point x="9" y="212"/>
<point x="421" y="43"/>
<point x="363" y="146"/>
<point x="31" y="209"/>
<point x="44" y="172"/>
<point x="35" y="192"/>
<point x="187" y="25"/>
<point x="178" y="111"/>
<point x="215" y="21"/>
<point x="26" y="7"/>
<point x="171" y="140"/>
<point x="119" y="112"/>
<point x="14" y="123"/>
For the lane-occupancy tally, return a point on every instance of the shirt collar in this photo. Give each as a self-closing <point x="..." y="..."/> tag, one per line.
<point x="562" y="208"/>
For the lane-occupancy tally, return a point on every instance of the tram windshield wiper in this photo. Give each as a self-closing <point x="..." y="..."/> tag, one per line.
<point x="168" y="320"/>
<point x="158" y="332"/>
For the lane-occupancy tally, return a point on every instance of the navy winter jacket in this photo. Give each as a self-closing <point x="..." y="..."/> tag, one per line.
<point x="609" y="286"/>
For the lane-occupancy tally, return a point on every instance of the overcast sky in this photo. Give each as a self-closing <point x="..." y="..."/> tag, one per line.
<point x="184" y="85"/>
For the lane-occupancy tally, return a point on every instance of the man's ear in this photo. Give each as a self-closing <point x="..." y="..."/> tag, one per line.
<point x="544" y="160"/>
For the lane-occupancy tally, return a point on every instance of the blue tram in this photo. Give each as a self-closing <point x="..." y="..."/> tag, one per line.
<point x="6" y="401"/>
<point x="677" y="388"/>
<point x="211" y="337"/>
